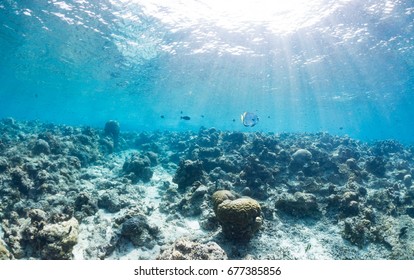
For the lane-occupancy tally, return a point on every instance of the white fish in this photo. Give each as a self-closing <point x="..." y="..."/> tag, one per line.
<point x="249" y="119"/>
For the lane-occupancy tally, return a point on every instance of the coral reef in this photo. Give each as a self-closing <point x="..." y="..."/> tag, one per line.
<point x="84" y="193"/>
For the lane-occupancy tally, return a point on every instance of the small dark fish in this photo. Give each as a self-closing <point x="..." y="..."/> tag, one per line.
<point x="202" y="116"/>
<point x="268" y="117"/>
<point x="162" y="116"/>
<point x="187" y="118"/>
<point x="181" y="112"/>
<point x="341" y="128"/>
<point x="403" y="232"/>
<point x="234" y="120"/>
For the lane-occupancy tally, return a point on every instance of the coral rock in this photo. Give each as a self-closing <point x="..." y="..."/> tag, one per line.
<point x="237" y="138"/>
<point x="376" y="166"/>
<point x="187" y="173"/>
<point x="184" y="249"/>
<point x="4" y="165"/>
<point x="59" y="239"/>
<point x="301" y="156"/>
<point x="41" y="147"/>
<point x="4" y="253"/>
<point x="112" y="129"/>
<point x="139" y="231"/>
<point x="85" y="205"/>
<point x="109" y="201"/>
<point x="407" y="180"/>
<point x="139" y="166"/>
<point x="20" y="180"/>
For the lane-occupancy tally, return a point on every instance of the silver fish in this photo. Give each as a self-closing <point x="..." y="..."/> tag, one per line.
<point x="249" y="119"/>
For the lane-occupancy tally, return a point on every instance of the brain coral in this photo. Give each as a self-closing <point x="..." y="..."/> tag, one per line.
<point x="220" y="196"/>
<point x="239" y="218"/>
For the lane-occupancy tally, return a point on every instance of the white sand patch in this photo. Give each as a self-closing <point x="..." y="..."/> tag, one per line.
<point x="96" y="231"/>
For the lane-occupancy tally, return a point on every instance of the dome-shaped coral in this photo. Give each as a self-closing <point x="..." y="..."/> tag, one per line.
<point x="222" y="195"/>
<point x="239" y="218"/>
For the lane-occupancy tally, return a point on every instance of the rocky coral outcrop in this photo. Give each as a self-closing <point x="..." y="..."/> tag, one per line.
<point x="58" y="239"/>
<point x="193" y="202"/>
<point x="138" y="167"/>
<point x="43" y="237"/>
<point x="376" y="166"/>
<point x="112" y="129"/>
<point x="187" y="173"/>
<point x="139" y="231"/>
<point x="41" y="147"/>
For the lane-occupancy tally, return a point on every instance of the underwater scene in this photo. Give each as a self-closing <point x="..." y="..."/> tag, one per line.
<point x="206" y="130"/>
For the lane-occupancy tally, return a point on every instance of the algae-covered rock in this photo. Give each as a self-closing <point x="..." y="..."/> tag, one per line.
<point x="358" y="231"/>
<point x="110" y="201"/>
<point x="239" y="218"/>
<point x="85" y="205"/>
<point x="20" y="180"/>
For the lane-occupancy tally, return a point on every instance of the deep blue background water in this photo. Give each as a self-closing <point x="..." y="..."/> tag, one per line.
<point x="345" y="67"/>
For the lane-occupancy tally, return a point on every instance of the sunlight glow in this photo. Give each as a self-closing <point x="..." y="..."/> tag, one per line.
<point x="277" y="15"/>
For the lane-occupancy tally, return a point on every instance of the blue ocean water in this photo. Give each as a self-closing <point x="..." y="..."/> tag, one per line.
<point x="340" y="66"/>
